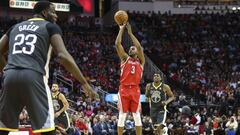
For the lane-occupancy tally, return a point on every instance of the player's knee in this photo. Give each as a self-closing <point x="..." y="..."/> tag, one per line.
<point x="121" y="119"/>
<point x="137" y="119"/>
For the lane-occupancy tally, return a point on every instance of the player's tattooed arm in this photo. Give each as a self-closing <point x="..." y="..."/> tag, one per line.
<point x="3" y="51"/>
<point x="120" y="50"/>
<point x="169" y="93"/>
<point x="137" y="44"/>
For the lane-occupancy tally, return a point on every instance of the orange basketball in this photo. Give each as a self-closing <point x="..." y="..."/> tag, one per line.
<point x="121" y="17"/>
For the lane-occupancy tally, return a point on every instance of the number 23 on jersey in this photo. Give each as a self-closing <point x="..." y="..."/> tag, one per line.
<point x="21" y="43"/>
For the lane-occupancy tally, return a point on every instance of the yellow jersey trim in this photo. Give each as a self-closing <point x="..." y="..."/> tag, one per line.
<point x="36" y="19"/>
<point x="9" y="129"/>
<point x="44" y="130"/>
<point x="156" y="87"/>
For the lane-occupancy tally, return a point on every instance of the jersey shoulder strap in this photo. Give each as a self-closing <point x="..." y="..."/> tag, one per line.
<point x="157" y="87"/>
<point x="58" y="95"/>
<point x="122" y="64"/>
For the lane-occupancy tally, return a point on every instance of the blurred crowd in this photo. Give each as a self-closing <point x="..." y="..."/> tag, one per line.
<point x="94" y="53"/>
<point x="94" y="117"/>
<point x="199" y="53"/>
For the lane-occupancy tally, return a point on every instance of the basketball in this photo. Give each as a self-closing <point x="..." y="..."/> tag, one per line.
<point x="121" y="17"/>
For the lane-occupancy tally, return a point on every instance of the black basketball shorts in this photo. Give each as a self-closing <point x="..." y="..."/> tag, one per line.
<point x="25" y="87"/>
<point x="158" y="116"/>
<point x="63" y="121"/>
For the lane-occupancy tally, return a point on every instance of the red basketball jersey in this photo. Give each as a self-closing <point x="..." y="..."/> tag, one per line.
<point x="131" y="72"/>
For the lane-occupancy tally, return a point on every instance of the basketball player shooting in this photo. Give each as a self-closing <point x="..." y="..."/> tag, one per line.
<point x="156" y="95"/>
<point x="131" y="72"/>
<point x="29" y="45"/>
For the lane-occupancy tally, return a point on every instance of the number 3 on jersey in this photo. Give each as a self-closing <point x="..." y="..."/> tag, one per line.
<point x="133" y="69"/>
<point x="29" y="40"/>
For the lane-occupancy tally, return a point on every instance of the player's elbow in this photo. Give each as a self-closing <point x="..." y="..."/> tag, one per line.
<point x="63" y="58"/>
<point x="67" y="106"/>
<point x="117" y="43"/>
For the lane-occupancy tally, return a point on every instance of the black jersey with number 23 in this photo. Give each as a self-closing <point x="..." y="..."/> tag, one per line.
<point x="29" y="44"/>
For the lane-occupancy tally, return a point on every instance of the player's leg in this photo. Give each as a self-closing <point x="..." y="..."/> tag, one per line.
<point x="136" y="109"/>
<point x="58" y="128"/>
<point x="62" y="123"/>
<point x="66" y="122"/>
<point x="161" y="125"/>
<point x="154" y="116"/>
<point x="138" y="123"/>
<point x="10" y="102"/>
<point x="39" y="103"/>
<point x="123" y="107"/>
<point x="57" y="122"/>
<point x="121" y="122"/>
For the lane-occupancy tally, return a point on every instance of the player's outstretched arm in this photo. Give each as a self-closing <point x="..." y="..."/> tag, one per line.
<point x="137" y="44"/>
<point x="120" y="50"/>
<point x="68" y="62"/>
<point x="169" y="93"/>
<point x="3" y="50"/>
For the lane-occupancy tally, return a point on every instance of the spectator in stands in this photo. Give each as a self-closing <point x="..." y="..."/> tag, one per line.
<point x="129" y="125"/>
<point x="182" y="100"/>
<point x="102" y="126"/>
<point x="114" y="125"/>
<point x="208" y="126"/>
<point x="88" y="124"/>
<point x="96" y="129"/>
<point x="89" y="111"/>
<point x="232" y="126"/>
<point x="147" y="126"/>
<point x="198" y="53"/>
<point x="111" y="128"/>
<point x="24" y="118"/>
<point x="237" y="97"/>
<point x="81" y="125"/>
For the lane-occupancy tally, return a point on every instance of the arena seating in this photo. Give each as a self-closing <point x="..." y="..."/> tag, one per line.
<point x="198" y="53"/>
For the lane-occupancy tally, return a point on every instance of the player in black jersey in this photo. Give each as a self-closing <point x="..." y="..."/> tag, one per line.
<point x="156" y="93"/>
<point x="60" y="105"/>
<point x="29" y="45"/>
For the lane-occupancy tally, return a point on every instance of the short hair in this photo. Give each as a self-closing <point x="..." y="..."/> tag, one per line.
<point x="157" y="74"/>
<point x="54" y="82"/>
<point x="40" y="6"/>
